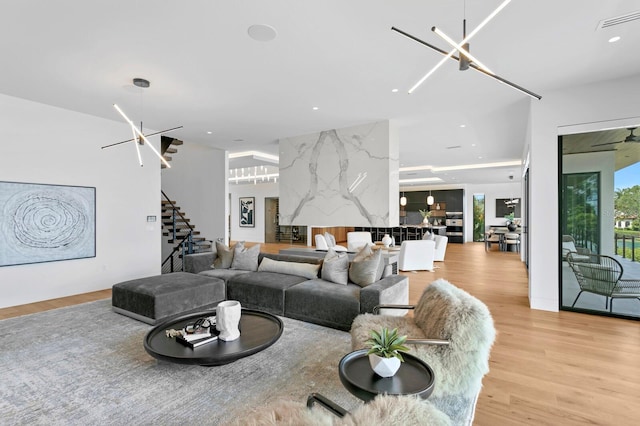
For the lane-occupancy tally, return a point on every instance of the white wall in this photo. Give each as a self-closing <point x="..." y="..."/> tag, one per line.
<point x="602" y="105"/>
<point x="43" y="144"/>
<point x="260" y="191"/>
<point x="197" y="181"/>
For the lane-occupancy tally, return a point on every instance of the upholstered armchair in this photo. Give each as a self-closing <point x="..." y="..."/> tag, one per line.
<point x="323" y="244"/>
<point x="417" y="255"/>
<point x="569" y="246"/>
<point x="444" y="312"/>
<point x="356" y="240"/>
<point x="441" y="247"/>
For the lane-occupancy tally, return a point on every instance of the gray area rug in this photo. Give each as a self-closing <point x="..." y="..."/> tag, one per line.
<point x="85" y="365"/>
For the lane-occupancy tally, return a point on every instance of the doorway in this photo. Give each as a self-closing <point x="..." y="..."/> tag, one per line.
<point x="271" y="220"/>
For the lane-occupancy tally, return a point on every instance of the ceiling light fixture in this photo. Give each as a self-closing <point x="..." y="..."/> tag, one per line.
<point x="465" y="60"/>
<point x="403" y="200"/>
<point x="138" y="137"/>
<point x="430" y="199"/>
<point x="614" y="39"/>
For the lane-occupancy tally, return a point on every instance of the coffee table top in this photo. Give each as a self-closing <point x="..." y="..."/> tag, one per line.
<point x="258" y="331"/>
<point x="414" y="377"/>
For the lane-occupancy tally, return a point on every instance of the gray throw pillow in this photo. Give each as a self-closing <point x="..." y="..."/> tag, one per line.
<point x="365" y="267"/>
<point x="225" y="255"/>
<point x="245" y="259"/>
<point x="335" y="267"/>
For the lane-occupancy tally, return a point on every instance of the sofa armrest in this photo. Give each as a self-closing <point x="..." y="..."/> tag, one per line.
<point x="392" y="290"/>
<point x="198" y="262"/>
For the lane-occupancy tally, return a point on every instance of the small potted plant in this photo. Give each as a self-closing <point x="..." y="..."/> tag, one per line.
<point x="511" y="225"/>
<point x="425" y="215"/>
<point x="385" y="354"/>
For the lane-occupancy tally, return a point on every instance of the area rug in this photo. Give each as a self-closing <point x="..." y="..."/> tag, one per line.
<point x="86" y="365"/>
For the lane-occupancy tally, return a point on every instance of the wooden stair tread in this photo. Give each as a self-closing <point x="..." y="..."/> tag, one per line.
<point x="176" y="142"/>
<point x="171" y="151"/>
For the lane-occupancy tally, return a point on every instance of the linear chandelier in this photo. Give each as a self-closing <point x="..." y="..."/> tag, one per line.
<point x="465" y="60"/>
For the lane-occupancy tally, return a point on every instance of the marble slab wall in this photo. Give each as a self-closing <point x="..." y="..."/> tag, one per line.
<point x="340" y="177"/>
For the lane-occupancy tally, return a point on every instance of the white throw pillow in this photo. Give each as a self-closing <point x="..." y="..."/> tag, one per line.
<point x="305" y="270"/>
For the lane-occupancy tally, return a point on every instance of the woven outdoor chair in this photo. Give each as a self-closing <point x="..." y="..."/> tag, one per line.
<point x="603" y="275"/>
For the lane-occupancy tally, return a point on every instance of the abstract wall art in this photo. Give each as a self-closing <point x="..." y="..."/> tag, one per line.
<point x="247" y="210"/>
<point x="46" y="223"/>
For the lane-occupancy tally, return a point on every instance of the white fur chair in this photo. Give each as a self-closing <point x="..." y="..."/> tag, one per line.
<point x="441" y="247"/>
<point x="449" y="313"/>
<point x="357" y="240"/>
<point x="382" y="411"/>
<point x="417" y="255"/>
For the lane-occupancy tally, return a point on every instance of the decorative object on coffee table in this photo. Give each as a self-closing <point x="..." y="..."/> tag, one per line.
<point x="228" y="314"/>
<point x="386" y="350"/>
<point x="259" y="331"/>
<point x="386" y="240"/>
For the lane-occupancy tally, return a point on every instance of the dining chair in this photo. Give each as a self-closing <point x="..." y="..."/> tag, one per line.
<point x="490" y="237"/>
<point x="511" y="239"/>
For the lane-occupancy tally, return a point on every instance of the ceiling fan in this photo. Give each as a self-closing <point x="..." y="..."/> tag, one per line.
<point x="630" y="138"/>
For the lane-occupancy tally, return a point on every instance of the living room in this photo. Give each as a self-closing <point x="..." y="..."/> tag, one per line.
<point x="50" y="140"/>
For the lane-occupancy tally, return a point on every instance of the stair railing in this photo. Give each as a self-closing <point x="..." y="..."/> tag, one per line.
<point x="185" y="246"/>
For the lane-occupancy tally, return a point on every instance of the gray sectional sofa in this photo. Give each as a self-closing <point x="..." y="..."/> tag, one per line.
<point x="305" y="298"/>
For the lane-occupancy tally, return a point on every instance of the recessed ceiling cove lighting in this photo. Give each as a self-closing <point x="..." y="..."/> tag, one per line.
<point x="262" y="32"/>
<point x="614" y="39"/>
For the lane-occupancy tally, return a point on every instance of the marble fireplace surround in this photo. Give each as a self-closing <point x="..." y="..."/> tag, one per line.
<point x="340" y="177"/>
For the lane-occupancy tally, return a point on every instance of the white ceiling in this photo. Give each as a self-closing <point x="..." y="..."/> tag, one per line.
<point x="341" y="56"/>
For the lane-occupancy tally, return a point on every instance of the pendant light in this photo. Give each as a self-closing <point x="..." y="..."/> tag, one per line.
<point x="430" y="199"/>
<point x="403" y="200"/>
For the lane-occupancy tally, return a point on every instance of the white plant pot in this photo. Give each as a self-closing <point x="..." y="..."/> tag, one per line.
<point x="386" y="240"/>
<point x="384" y="367"/>
<point x="228" y="318"/>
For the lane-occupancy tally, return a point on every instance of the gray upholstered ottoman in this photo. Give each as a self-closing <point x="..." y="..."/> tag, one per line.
<point x="153" y="299"/>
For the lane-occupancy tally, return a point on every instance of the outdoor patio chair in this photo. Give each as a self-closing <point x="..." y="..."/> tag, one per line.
<point x="602" y="275"/>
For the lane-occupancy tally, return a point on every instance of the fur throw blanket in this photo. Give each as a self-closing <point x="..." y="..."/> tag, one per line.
<point x="382" y="411"/>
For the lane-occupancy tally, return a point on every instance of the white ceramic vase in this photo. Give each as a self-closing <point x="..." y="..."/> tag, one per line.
<point x="387" y="240"/>
<point x="228" y="318"/>
<point x="384" y="367"/>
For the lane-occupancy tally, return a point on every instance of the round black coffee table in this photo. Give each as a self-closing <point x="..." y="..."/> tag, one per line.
<point x="258" y="331"/>
<point x="414" y="377"/>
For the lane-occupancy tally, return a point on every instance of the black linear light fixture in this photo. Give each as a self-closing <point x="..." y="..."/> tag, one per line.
<point x="138" y="136"/>
<point x="465" y="60"/>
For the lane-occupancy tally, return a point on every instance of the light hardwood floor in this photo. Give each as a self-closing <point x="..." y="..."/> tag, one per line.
<point x="547" y="368"/>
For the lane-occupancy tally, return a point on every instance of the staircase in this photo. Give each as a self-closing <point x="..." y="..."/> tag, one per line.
<point x="167" y="145"/>
<point x="181" y="234"/>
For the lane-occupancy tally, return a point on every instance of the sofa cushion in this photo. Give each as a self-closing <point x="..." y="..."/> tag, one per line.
<point x="245" y="259"/>
<point x="224" y="255"/>
<point x="223" y="274"/>
<point x="305" y="270"/>
<point x="335" y="267"/>
<point x="155" y="298"/>
<point x="322" y="302"/>
<point x="261" y="290"/>
<point x="366" y="267"/>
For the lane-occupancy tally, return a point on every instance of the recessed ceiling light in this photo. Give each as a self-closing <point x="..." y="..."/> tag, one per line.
<point x="480" y="157"/>
<point x="463" y="125"/>
<point x="209" y="132"/>
<point x="473" y="144"/>
<point x="614" y="39"/>
<point x="262" y="32"/>
<point x="315" y="108"/>
<point x="394" y="90"/>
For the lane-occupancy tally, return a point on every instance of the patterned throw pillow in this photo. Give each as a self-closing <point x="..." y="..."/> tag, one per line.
<point x="335" y="267"/>
<point x="245" y="259"/>
<point x="225" y="255"/>
<point x="366" y="267"/>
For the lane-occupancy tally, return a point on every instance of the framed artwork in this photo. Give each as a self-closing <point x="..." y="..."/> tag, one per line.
<point x="247" y="211"/>
<point x="46" y="223"/>
<point x="504" y="206"/>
